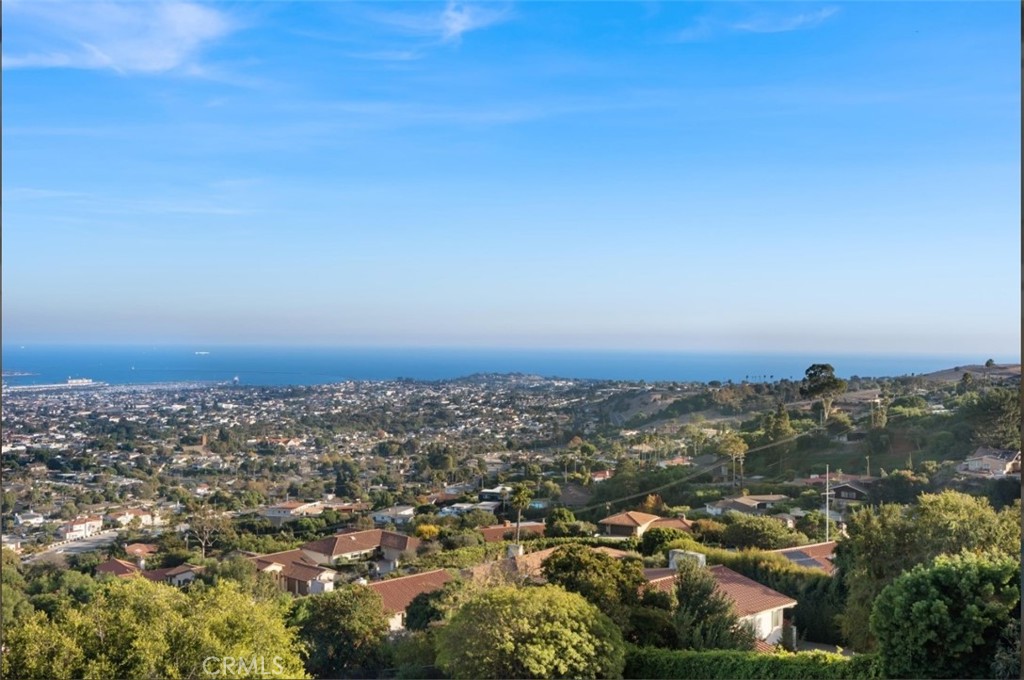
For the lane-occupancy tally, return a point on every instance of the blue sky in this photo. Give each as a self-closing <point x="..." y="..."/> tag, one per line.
<point x="721" y="176"/>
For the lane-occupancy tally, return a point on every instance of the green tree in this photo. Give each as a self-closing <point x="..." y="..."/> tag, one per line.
<point x="812" y="525"/>
<point x="944" y="620"/>
<point x="206" y="526"/>
<point x="820" y="382"/>
<point x="778" y="430"/>
<point x="611" y="584"/>
<point x="520" y="500"/>
<point x="705" y="618"/>
<point x="899" y="486"/>
<point x="530" y="632"/>
<point x="134" y="628"/>
<point x="14" y="603"/>
<point x="654" y="540"/>
<point x="887" y="540"/>
<point x="995" y="418"/>
<point x="752" y="531"/>
<point x="556" y="516"/>
<point x="346" y="632"/>
<point x="732" y="445"/>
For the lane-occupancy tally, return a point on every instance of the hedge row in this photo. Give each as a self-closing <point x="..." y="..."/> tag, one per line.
<point x="652" y="662"/>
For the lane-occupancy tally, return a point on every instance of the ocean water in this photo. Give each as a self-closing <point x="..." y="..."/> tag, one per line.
<point x="310" y="366"/>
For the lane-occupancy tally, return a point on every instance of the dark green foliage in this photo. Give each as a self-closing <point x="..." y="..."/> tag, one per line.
<point x="899" y="486"/>
<point x="346" y="631"/>
<point x="530" y="632"/>
<point x="649" y="662"/>
<point x="995" y="418"/>
<point x="705" y="618"/>
<point x="649" y="626"/>
<point x="890" y="539"/>
<point x="944" y="620"/>
<point x="611" y="584"/>
<point x="708" y="531"/>
<point x="752" y="531"/>
<point x="424" y="609"/>
<point x="654" y="540"/>
<point x="820" y="382"/>
<point x="559" y="515"/>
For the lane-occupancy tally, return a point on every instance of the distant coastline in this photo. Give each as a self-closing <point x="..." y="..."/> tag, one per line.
<point x="296" y="366"/>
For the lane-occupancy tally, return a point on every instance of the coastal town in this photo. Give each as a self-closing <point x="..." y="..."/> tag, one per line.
<point x="409" y="488"/>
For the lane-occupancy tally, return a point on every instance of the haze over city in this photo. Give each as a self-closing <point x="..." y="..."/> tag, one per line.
<point x="676" y="176"/>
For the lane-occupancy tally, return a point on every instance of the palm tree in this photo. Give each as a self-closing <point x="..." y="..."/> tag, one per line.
<point x="520" y="500"/>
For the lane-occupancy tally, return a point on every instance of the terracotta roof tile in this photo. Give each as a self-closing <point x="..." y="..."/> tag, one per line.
<point x="673" y="523"/>
<point x="748" y="596"/>
<point x="141" y="549"/>
<point x="631" y="518"/>
<point x="498" y="532"/>
<point x="117" y="567"/>
<point x="397" y="593"/>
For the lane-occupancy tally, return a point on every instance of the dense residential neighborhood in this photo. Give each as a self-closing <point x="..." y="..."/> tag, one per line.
<point x="405" y="502"/>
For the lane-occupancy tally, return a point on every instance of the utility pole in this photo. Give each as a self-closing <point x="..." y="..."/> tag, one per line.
<point x="869" y="465"/>
<point x="828" y="492"/>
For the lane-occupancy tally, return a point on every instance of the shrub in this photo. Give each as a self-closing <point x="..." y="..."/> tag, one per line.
<point x="651" y="662"/>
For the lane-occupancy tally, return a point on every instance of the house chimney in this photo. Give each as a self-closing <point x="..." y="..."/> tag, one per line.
<point x="674" y="556"/>
<point x="515" y="550"/>
<point x="141" y="562"/>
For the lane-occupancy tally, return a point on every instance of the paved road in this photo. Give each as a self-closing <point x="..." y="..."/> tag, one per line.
<point x="96" y="542"/>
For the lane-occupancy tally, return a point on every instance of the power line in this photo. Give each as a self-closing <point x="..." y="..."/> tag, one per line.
<point x="700" y="471"/>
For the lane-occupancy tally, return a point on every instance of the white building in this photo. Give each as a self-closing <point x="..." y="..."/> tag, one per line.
<point x="292" y="510"/>
<point x="81" y="527"/>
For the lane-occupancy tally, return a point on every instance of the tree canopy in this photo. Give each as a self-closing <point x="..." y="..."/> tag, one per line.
<point x="820" y="382"/>
<point x="611" y="584"/>
<point x="705" y="618"/>
<point x="136" y="628"/>
<point x="944" y="620"/>
<point x="885" y="541"/>
<point x="753" y="531"/>
<point x="346" y="630"/>
<point x="530" y="632"/>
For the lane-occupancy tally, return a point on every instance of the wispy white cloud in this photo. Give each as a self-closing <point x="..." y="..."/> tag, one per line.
<point x="706" y="27"/>
<point x="139" y="37"/>
<point x="449" y="25"/>
<point x="459" y="18"/>
<point x="767" y="23"/>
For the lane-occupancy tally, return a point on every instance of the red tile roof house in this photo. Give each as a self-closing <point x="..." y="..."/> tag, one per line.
<point x="142" y="550"/>
<point x="397" y="593"/>
<point x="756" y="604"/>
<point x="507" y="531"/>
<point x="296" y="573"/>
<point x="388" y="547"/>
<point x="633" y="523"/>
<point x="181" y="575"/>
